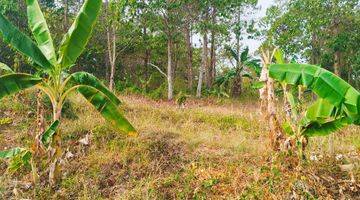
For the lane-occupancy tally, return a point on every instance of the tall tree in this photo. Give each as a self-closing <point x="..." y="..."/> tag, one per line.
<point x="203" y="70"/>
<point x="113" y="11"/>
<point x="169" y="21"/>
<point x="315" y="30"/>
<point x="190" y="10"/>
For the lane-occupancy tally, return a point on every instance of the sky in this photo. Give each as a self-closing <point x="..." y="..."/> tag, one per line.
<point x="258" y="14"/>
<point x="263" y="4"/>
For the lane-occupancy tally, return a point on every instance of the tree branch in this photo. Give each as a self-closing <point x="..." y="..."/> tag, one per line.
<point x="156" y="67"/>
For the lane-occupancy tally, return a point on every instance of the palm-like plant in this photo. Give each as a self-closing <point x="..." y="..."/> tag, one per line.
<point x="338" y="103"/>
<point x="243" y="61"/>
<point x="51" y="77"/>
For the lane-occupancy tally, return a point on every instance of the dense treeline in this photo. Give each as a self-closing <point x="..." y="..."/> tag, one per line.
<point x="324" y="33"/>
<point x="163" y="47"/>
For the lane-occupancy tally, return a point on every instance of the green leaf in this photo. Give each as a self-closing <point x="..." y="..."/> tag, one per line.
<point x="254" y="65"/>
<point x="10" y="153"/>
<point x="40" y="30"/>
<point x="258" y="85"/>
<point x="321" y="110"/>
<point x="279" y="56"/>
<point x="325" y="84"/>
<point x="84" y="78"/>
<point x="287" y="128"/>
<point x="47" y="136"/>
<point x="12" y="83"/>
<point x="244" y="55"/>
<point x="293" y="101"/>
<point x="106" y="108"/>
<point x="6" y="68"/>
<point x="323" y="129"/>
<point x="247" y="75"/>
<point x="232" y="53"/>
<point x="75" y="40"/>
<point x="21" y="159"/>
<point x="22" y="43"/>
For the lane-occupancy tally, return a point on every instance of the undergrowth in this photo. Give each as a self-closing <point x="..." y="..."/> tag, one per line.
<point x="207" y="150"/>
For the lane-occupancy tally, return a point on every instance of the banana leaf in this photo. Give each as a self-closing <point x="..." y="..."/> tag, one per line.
<point x="22" y="159"/>
<point x="12" y="83"/>
<point x="329" y="87"/>
<point x="244" y="55"/>
<point x="279" y="57"/>
<point x="40" y="30"/>
<point x="232" y="53"/>
<point x="22" y="43"/>
<point x="325" y="128"/>
<point x="6" y="68"/>
<point x="47" y="136"/>
<point x="10" y="153"/>
<point x="106" y="108"/>
<point x="75" y="40"/>
<point x="86" y="79"/>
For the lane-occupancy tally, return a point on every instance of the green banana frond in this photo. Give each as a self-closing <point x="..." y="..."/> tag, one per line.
<point x="22" y="43"/>
<point x="13" y="83"/>
<point x="106" y="108"/>
<point x="75" y="40"/>
<point x="40" y="30"/>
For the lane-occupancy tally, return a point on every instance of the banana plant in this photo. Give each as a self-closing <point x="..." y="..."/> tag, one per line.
<point x="243" y="60"/>
<point x="337" y="104"/>
<point x="51" y="67"/>
<point x="18" y="157"/>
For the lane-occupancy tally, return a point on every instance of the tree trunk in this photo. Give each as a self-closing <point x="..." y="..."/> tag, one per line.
<point x="111" y="45"/>
<point x="337" y="71"/>
<point x="169" y="69"/>
<point x="204" y="64"/>
<point x="40" y="129"/>
<point x="237" y="85"/>
<point x="147" y="53"/>
<point x="40" y="113"/>
<point x="337" y="63"/>
<point x="212" y="70"/>
<point x="112" y="55"/>
<point x="175" y="58"/>
<point x="189" y="56"/>
<point x="212" y="60"/>
<point x="268" y="95"/>
<point x="55" y="151"/>
<point x="66" y="8"/>
<point x="315" y="49"/>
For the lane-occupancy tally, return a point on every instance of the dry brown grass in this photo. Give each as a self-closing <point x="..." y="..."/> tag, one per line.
<point x="209" y="150"/>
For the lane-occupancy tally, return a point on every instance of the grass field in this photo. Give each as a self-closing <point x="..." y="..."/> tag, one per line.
<point x="208" y="150"/>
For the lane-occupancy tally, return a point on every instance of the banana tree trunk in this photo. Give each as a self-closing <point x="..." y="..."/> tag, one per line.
<point x="263" y="91"/>
<point x="267" y="95"/>
<point x="40" y="113"/>
<point x="40" y="124"/>
<point x="55" y="151"/>
<point x="237" y="84"/>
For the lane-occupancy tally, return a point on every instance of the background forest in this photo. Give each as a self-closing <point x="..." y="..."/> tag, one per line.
<point x="188" y="73"/>
<point x="140" y="46"/>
